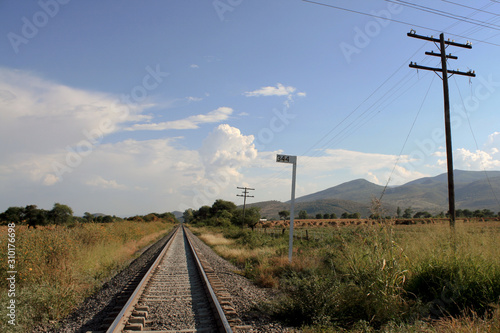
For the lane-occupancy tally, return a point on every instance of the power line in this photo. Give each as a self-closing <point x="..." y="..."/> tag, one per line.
<point x="343" y="133"/>
<point x="445" y="14"/>
<point x="406" y="141"/>
<point x="473" y="8"/>
<point x="477" y="146"/>
<point x="396" y="21"/>
<point x="444" y="71"/>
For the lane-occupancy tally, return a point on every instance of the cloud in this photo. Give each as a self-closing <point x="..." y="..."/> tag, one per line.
<point x="37" y="115"/>
<point x="372" y="166"/>
<point x="193" y="99"/>
<point x="50" y="179"/>
<point x="493" y="143"/>
<point x="225" y="150"/>
<point x="478" y="160"/>
<point x="194" y="66"/>
<point x="279" y="90"/>
<point x="372" y="178"/>
<point x="191" y="122"/>
<point x="98" y="181"/>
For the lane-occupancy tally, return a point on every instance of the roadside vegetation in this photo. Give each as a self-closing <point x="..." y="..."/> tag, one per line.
<point x="375" y="276"/>
<point x="59" y="265"/>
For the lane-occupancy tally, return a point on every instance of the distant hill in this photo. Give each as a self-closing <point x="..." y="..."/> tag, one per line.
<point x="473" y="190"/>
<point x="178" y="215"/>
<point x="270" y="209"/>
<point x="359" y="190"/>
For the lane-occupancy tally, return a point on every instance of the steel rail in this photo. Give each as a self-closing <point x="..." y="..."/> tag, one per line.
<point x="219" y="312"/>
<point x="119" y="323"/>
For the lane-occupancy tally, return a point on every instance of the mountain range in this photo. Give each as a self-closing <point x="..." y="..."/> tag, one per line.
<point x="473" y="190"/>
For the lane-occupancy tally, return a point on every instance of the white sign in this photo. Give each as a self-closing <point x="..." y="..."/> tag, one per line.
<point x="292" y="160"/>
<point x="286" y="158"/>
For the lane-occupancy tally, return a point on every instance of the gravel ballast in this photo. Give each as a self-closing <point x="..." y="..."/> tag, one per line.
<point x="245" y="295"/>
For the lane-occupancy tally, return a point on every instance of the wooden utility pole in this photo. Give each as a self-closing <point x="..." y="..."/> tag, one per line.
<point x="444" y="70"/>
<point x="245" y="196"/>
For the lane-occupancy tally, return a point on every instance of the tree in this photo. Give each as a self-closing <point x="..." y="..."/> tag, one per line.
<point x="88" y="217"/>
<point x="478" y="213"/>
<point x="202" y="214"/>
<point x="188" y="215"/>
<point x="167" y="217"/>
<point x="284" y="214"/>
<point x="344" y="215"/>
<point x="467" y="213"/>
<point x="61" y="214"/>
<point x="107" y="219"/>
<point x="398" y="212"/>
<point x="355" y="215"/>
<point x="302" y="215"/>
<point x="420" y="215"/>
<point x="12" y="214"/>
<point x="252" y="217"/>
<point x="35" y="216"/>
<point x="326" y="216"/>
<point x="319" y="216"/>
<point x="487" y="213"/>
<point x="333" y="216"/>
<point x="221" y="205"/>
<point x="408" y="213"/>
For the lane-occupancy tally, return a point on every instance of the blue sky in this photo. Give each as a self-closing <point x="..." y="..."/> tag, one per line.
<point x="127" y="107"/>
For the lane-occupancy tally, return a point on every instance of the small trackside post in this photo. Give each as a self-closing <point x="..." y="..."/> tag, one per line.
<point x="292" y="160"/>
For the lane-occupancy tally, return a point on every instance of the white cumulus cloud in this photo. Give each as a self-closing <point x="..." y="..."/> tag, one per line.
<point x="478" y="160"/>
<point x="279" y="90"/>
<point x="98" y="181"/>
<point x="226" y="150"/>
<point x="191" y="122"/>
<point x="37" y="115"/>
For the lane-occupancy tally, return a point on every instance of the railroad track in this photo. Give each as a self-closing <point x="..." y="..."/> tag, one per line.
<point x="179" y="293"/>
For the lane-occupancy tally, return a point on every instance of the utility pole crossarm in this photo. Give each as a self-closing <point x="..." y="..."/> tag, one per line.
<point x="245" y="196"/>
<point x="467" y="45"/>
<point x="447" y="119"/>
<point x="448" y="56"/>
<point x="449" y="71"/>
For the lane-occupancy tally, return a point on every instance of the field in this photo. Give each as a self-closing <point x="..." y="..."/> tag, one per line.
<point x="57" y="267"/>
<point x="368" y="277"/>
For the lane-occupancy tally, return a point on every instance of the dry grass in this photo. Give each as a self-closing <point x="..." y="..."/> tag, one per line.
<point x="57" y="267"/>
<point x="215" y="239"/>
<point x="470" y="323"/>
<point x="392" y="254"/>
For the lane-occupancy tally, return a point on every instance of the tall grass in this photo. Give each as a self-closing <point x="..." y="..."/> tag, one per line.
<point x="380" y="277"/>
<point x="57" y="267"/>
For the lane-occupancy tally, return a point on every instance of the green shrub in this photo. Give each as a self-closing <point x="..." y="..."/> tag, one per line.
<point x="452" y="286"/>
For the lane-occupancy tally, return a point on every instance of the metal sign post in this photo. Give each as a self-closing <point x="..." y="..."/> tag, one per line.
<point x="293" y="160"/>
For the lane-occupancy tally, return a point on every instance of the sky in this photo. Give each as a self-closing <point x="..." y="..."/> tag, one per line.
<point x="130" y="107"/>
